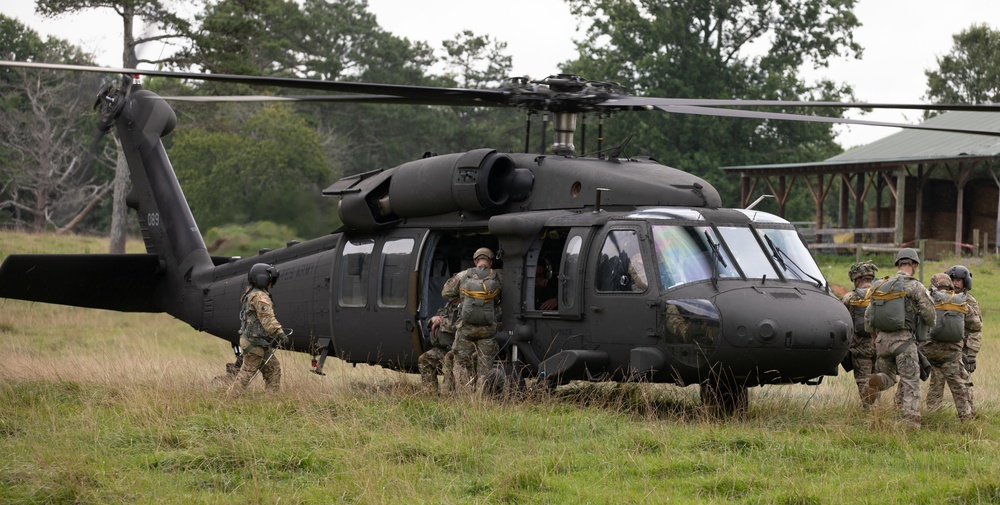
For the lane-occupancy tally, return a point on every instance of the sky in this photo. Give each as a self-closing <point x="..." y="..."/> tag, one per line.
<point x="902" y="39"/>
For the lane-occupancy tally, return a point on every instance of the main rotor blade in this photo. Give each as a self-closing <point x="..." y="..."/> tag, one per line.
<point x="643" y="102"/>
<point x="708" y="111"/>
<point x="450" y="96"/>
<point x="383" y="99"/>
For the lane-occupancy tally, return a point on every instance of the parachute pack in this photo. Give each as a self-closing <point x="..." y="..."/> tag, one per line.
<point x="858" y="305"/>
<point x="479" y="288"/>
<point x="951" y="309"/>
<point x="888" y="305"/>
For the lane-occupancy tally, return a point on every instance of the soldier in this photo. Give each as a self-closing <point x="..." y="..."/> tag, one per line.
<point x="897" y="306"/>
<point x="862" y="349"/>
<point x="944" y="347"/>
<point x="961" y="279"/>
<point x="439" y="357"/>
<point x="260" y="332"/>
<point x="546" y="289"/>
<point x="479" y="288"/>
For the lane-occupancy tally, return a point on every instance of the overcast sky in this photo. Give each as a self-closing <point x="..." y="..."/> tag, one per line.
<point x="902" y="39"/>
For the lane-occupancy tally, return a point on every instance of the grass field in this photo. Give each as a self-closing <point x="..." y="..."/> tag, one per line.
<point x="104" y="407"/>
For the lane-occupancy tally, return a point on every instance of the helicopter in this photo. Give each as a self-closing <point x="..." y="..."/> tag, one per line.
<point x="656" y="280"/>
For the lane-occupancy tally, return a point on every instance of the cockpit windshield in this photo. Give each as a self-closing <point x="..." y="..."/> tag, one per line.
<point x="688" y="254"/>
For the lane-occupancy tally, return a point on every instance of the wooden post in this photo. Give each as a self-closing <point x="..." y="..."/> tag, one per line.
<point x="844" y="209"/>
<point x="975" y="242"/>
<point x="921" y="253"/>
<point x="900" y="204"/>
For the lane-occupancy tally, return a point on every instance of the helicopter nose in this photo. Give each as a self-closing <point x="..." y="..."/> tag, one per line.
<point x="784" y="333"/>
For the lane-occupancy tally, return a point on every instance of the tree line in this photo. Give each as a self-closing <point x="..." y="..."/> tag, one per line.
<point x="241" y="163"/>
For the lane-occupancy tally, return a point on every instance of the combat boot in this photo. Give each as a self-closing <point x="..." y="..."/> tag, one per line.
<point x="872" y="390"/>
<point x="429" y="386"/>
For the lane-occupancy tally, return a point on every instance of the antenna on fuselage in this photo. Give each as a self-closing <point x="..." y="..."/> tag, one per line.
<point x="597" y="199"/>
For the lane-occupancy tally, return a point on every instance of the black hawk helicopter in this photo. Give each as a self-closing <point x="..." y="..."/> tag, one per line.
<point x="656" y="279"/>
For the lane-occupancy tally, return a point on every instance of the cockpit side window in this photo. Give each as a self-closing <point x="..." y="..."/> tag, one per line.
<point x="620" y="266"/>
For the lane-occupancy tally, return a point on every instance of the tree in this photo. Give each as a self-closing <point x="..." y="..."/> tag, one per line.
<point x="269" y="168"/>
<point x="970" y="73"/>
<point x="748" y="49"/>
<point x="157" y="14"/>
<point x="46" y="174"/>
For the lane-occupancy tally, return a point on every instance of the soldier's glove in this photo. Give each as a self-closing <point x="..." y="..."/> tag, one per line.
<point x="970" y="363"/>
<point x="282" y="340"/>
<point x="925" y="366"/>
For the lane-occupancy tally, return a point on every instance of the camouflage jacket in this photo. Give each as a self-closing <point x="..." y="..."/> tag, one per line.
<point x="918" y="301"/>
<point x="973" y="326"/>
<point x="259" y="324"/>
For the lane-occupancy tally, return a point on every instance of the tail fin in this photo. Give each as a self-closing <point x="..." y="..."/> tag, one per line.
<point x="168" y="227"/>
<point x="166" y="279"/>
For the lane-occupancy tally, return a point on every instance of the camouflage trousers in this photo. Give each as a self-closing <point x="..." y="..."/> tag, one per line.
<point x="253" y="360"/>
<point x="437" y="360"/>
<point x="898" y="356"/>
<point x="863" y="360"/>
<point x="947" y="368"/>
<point x="474" y="350"/>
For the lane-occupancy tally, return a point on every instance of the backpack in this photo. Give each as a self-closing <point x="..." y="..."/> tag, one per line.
<point x="479" y="289"/>
<point x="858" y="305"/>
<point x="890" y="312"/>
<point x="951" y="309"/>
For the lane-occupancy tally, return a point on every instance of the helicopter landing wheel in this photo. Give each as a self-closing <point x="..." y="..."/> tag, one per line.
<point x="495" y="385"/>
<point x="723" y="394"/>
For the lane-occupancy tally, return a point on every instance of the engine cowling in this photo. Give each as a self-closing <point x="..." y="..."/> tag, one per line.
<point x="481" y="181"/>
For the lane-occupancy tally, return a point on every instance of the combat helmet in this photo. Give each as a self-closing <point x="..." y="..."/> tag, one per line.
<point x="941" y="281"/>
<point x="483" y="252"/>
<point x="960" y="272"/>
<point x="907" y="253"/>
<point x="263" y="275"/>
<point x="863" y="269"/>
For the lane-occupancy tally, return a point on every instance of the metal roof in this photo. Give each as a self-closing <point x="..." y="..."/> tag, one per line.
<point x="916" y="146"/>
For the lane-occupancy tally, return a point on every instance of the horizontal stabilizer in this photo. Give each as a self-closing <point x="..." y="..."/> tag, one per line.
<point x="123" y="282"/>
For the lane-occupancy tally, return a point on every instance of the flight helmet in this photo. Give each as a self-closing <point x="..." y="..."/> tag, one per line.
<point x="960" y="272"/>
<point x="263" y="275"/>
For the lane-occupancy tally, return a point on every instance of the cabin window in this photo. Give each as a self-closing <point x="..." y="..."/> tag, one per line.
<point x="354" y="273"/>
<point x="620" y="266"/>
<point x="394" y="272"/>
<point x="568" y="272"/>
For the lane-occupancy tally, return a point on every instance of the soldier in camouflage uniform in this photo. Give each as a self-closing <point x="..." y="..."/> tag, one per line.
<point x="475" y="347"/>
<point x="260" y="332"/>
<point x="862" y="348"/>
<point x="945" y="353"/>
<point x="895" y="341"/>
<point x="961" y="279"/>
<point x="439" y="358"/>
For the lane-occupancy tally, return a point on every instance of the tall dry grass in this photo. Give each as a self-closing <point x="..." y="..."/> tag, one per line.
<point x="105" y="407"/>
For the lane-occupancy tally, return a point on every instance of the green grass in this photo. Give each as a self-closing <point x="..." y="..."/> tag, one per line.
<point x="104" y="407"/>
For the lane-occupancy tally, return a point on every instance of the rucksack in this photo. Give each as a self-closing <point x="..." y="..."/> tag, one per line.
<point x="890" y="312"/>
<point x="951" y="309"/>
<point x="479" y="288"/>
<point x="858" y="305"/>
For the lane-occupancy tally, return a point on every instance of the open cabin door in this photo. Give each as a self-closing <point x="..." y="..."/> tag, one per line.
<point x="375" y="299"/>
